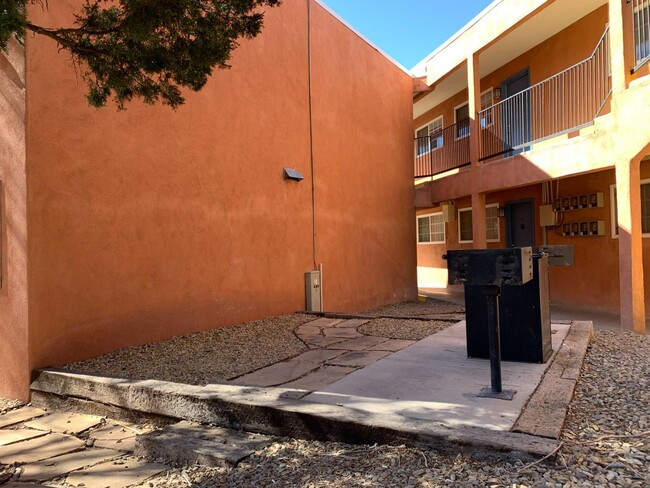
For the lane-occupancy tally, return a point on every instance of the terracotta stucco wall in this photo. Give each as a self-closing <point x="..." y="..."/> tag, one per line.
<point x="364" y="171"/>
<point x="14" y="344"/>
<point x="149" y="223"/>
<point x="557" y="53"/>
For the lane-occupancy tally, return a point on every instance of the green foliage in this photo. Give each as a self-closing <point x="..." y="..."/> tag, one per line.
<point x="12" y="21"/>
<point x="146" y="49"/>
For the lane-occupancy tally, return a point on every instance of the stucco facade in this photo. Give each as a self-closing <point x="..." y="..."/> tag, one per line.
<point x="577" y="58"/>
<point x="135" y="226"/>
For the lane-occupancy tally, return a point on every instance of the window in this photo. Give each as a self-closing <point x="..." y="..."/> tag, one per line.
<point x="645" y="209"/>
<point x="465" y="225"/>
<point x="641" y="30"/>
<point x="431" y="229"/>
<point x="429" y="137"/>
<point x="487" y="100"/>
<point x="492" y="233"/>
<point x="461" y="115"/>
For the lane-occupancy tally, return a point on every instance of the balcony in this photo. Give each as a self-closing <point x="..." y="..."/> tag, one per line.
<point x="443" y="150"/>
<point x="562" y="103"/>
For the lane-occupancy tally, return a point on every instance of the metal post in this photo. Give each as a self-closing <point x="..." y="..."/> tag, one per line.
<point x="492" y="297"/>
<point x="492" y="293"/>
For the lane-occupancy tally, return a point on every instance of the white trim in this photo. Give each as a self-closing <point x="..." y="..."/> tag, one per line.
<point x="460" y="241"/>
<point x="480" y="121"/>
<point x="417" y="230"/>
<point x="456" y="121"/>
<point x="328" y="9"/>
<point x="612" y="209"/>
<point x="493" y="205"/>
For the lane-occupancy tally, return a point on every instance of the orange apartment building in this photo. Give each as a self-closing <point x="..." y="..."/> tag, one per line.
<point x="532" y="127"/>
<point x="122" y="228"/>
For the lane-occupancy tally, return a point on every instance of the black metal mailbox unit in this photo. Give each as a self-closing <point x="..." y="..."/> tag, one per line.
<point x="524" y="313"/>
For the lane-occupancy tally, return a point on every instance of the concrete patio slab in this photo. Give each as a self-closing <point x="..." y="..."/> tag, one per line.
<point x="60" y="465"/>
<point x="546" y="411"/>
<point x="65" y="423"/>
<point x="116" y="474"/>
<point x="434" y="380"/>
<point x="391" y="345"/>
<point x="14" y="417"/>
<point x="43" y="447"/>
<point x="17" y="435"/>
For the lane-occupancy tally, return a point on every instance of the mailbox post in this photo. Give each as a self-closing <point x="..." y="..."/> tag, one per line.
<point x="490" y="269"/>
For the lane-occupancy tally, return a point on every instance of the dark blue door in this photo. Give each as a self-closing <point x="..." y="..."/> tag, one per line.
<point x="516" y="113"/>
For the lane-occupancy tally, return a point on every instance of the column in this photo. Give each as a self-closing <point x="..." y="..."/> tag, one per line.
<point x="478" y="199"/>
<point x="630" y="251"/>
<point x="616" y="47"/>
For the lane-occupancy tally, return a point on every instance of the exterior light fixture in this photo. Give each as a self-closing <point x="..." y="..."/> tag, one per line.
<point x="293" y="174"/>
<point x="501" y="212"/>
<point x="496" y="93"/>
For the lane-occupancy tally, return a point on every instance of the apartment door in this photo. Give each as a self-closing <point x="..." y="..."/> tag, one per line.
<point x="516" y="113"/>
<point x="520" y="224"/>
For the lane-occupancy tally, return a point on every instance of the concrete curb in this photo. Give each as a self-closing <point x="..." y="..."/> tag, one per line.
<point x="547" y="409"/>
<point x="277" y="411"/>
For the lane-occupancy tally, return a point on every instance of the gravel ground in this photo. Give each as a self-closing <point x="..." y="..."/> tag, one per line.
<point x="9" y="404"/>
<point x="413" y="309"/>
<point x="413" y="330"/>
<point x="205" y="357"/>
<point x="228" y="352"/>
<point x="606" y="443"/>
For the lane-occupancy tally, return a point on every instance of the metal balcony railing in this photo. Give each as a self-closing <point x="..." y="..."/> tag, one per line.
<point x="641" y="23"/>
<point x="443" y="150"/>
<point x="562" y="103"/>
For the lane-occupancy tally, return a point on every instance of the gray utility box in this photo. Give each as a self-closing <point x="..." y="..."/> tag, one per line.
<point x="312" y="291"/>
<point x="509" y="266"/>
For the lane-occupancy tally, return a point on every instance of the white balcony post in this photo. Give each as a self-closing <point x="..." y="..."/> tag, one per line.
<point x="616" y="47"/>
<point x="478" y="199"/>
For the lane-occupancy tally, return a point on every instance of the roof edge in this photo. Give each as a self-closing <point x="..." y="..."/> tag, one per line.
<point x="328" y="9"/>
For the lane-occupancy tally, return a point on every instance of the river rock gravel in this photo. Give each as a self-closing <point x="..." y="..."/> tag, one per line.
<point x="606" y="443"/>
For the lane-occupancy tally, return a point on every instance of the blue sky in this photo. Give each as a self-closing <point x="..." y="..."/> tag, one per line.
<point x="407" y="30"/>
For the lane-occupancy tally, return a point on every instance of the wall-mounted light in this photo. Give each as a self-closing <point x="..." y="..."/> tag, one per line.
<point x="293" y="174"/>
<point x="501" y="212"/>
<point x="496" y="93"/>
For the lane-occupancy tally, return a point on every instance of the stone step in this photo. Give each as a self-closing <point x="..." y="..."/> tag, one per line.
<point x="187" y="443"/>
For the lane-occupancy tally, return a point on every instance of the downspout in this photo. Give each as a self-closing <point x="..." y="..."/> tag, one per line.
<point x="317" y="267"/>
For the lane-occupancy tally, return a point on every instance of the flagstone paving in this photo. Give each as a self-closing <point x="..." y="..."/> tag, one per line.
<point x="20" y="415"/>
<point x="337" y="349"/>
<point x="103" y="456"/>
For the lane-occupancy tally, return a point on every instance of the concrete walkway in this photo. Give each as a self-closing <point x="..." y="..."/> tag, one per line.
<point x="435" y="380"/>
